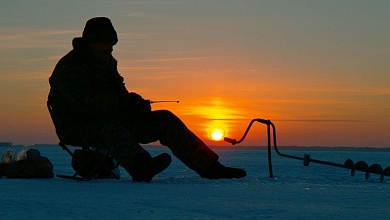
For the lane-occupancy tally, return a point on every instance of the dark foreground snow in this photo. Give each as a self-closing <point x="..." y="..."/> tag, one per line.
<point x="295" y="192"/>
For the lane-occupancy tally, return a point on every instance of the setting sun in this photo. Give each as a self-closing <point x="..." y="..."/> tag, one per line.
<point x="217" y="134"/>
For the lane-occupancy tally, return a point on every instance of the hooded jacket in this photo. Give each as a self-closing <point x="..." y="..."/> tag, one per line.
<point x="84" y="89"/>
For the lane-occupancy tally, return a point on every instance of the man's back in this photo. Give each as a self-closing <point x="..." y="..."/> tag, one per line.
<point x="83" y="89"/>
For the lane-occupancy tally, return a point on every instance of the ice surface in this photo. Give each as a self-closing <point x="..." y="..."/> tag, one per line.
<point x="295" y="192"/>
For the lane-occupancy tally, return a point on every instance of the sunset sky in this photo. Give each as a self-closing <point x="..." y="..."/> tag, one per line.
<point x="319" y="70"/>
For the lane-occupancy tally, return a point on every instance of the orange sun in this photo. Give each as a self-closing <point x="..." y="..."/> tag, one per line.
<point x="217" y="134"/>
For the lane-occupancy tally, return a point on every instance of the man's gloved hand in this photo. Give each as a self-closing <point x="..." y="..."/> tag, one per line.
<point x="137" y="105"/>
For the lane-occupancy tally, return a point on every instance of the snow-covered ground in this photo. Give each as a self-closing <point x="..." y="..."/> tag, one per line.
<point x="295" y="192"/>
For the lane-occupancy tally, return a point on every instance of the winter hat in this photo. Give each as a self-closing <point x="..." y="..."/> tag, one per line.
<point x="99" y="29"/>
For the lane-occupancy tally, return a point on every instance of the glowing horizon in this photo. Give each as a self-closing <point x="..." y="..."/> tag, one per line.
<point x="318" y="70"/>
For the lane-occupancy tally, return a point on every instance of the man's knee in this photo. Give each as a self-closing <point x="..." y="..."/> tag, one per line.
<point x="163" y="113"/>
<point x="165" y="116"/>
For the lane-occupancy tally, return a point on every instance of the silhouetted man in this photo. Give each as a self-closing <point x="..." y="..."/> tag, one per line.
<point x="92" y="107"/>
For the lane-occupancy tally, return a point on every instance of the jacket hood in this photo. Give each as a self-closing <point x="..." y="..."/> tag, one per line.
<point x="80" y="46"/>
<point x="79" y="43"/>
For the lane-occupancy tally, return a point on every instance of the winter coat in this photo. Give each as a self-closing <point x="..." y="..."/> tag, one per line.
<point x="85" y="89"/>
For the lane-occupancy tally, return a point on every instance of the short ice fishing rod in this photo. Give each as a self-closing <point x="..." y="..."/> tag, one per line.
<point x="151" y="102"/>
<point x="348" y="164"/>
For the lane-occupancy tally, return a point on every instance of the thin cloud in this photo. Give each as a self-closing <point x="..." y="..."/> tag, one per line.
<point x="156" y="2"/>
<point x="22" y="38"/>
<point x="214" y="109"/>
<point x="168" y="59"/>
<point x="326" y="120"/>
<point x="136" y="14"/>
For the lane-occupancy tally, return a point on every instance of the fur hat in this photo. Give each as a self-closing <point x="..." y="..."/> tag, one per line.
<point x="99" y="29"/>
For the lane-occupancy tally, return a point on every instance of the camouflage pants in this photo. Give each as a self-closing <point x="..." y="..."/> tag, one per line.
<point x="122" y="139"/>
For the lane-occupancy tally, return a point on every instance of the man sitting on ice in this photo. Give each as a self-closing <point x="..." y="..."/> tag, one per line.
<point x="92" y="107"/>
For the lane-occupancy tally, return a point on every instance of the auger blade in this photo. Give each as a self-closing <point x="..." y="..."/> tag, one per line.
<point x="361" y="166"/>
<point x="350" y="165"/>
<point x="386" y="172"/>
<point x="377" y="169"/>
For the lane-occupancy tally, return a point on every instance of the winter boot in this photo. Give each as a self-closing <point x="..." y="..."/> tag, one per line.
<point x="143" y="167"/>
<point x="219" y="171"/>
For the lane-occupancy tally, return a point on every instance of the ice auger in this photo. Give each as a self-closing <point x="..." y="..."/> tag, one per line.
<point x="348" y="164"/>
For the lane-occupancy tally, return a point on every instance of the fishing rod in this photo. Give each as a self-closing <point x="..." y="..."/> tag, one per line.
<point x="151" y="102"/>
<point x="348" y="164"/>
